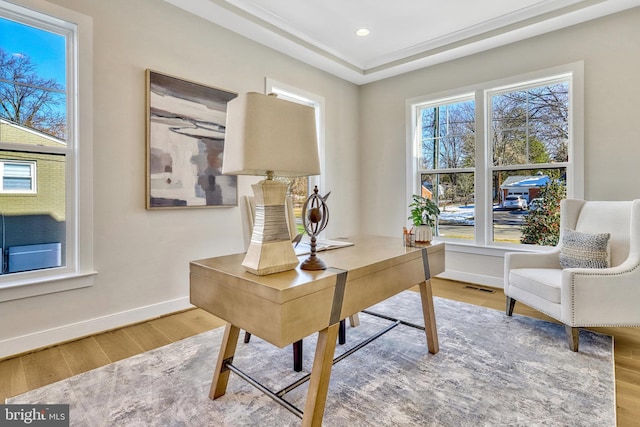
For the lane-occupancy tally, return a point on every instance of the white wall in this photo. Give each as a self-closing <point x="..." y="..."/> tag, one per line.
<point x="609" y="48"/>
<point x="142" y="256"/>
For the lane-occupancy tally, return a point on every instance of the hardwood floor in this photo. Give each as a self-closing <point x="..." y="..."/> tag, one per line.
<point x="30" y="371"/>
<point x="34" y="370"/>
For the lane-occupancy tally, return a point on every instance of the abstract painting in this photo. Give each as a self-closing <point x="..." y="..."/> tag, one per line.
<point x="185" y="144"/>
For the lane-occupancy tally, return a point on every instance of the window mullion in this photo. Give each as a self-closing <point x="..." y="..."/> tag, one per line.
<point x="483" y="156"/>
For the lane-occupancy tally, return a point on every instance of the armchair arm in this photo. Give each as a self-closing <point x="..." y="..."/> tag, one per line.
<point x="550" y="259"/>
<point x="602" y="297"/>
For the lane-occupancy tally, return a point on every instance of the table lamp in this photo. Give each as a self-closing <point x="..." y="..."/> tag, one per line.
<point x="269" y="136"/>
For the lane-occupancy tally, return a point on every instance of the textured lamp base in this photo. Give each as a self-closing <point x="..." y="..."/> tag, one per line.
<point x="270" y="250"/>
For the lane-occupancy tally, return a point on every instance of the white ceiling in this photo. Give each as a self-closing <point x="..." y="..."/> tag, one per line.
<point x="405" y="34"/>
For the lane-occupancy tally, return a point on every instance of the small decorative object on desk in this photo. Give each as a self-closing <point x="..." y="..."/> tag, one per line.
<point x="408" y="238"/>
<point x="424" y="214"/>
<point x="315" y="217"/>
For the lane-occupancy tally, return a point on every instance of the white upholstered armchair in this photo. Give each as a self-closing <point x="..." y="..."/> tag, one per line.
<point x="579" y="296"/>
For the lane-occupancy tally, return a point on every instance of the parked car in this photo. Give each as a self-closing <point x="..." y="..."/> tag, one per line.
<point x="536" y="204"/>
<point x="515" y="202"/>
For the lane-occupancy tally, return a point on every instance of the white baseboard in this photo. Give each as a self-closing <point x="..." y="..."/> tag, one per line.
<point x="73" y="331"/>
<point x="477" y="279"/>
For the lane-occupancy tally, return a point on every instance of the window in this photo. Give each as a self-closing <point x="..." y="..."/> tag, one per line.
<point x="301" y="187"/>
<point x="446" y="162"/>
<point x="529" y="146"/>
<point x="40" y="204"/>
<point x="487" y="153"/>
<point x="17" y="177"/>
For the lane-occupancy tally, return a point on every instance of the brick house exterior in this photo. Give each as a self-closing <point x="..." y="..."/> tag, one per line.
<point x="527" y="186"/>
<point x="33" y="218"/>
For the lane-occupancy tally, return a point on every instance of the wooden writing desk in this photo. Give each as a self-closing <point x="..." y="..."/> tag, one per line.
<point x="285" y="307"/>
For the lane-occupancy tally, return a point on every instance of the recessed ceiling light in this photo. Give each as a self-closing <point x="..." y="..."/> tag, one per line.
<point x="362" y="32"/>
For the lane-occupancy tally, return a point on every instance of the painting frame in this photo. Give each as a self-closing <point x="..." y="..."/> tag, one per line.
<point x="185" y="125"/>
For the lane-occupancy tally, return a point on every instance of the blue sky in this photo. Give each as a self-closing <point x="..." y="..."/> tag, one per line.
<point x="46" y="50"/>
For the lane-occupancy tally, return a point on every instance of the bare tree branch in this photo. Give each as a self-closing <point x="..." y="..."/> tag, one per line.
<point x="28" y="99"/>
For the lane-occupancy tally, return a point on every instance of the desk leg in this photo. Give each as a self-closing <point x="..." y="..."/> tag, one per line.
<point x="227" y="351"/>
<point x="429" y="314"/>
<point x="320" y="376"/>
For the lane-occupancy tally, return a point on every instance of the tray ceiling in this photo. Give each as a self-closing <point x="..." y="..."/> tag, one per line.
<point x="404" y="35"/>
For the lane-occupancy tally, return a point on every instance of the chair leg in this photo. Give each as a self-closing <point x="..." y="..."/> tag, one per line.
<point x="297" y="356"/>
<point x="511" y="303"/>
<point x="354" y="320"/>
<point x="297" y="346"/>
<point x="297" y="352"/>
<point x="342" y="332"/>
<point x="573" y="335"/>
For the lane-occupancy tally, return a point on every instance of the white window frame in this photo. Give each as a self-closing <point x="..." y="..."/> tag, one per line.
<point x="418" y="171"/>
<point x="78" y="271"/>
<point x="32" y="176"/>
<point x="483" y="242"/>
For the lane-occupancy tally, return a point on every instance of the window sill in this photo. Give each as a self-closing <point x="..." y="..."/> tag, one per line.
<point x="495" y="251"/>
<point x="45" y="285"/>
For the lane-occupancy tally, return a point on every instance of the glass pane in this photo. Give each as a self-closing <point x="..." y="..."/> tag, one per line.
<point x="530" y="126"/>
<point x="34" y="232"/>
<point x="452" y="152"/>
<point x="427" y="118"/>
<point x="447" y="136"/>
<point x="428" y="154"/>
<point x="553" y="139"/>
<point x="526" y="205"/>
<point x="454" y="193"/>
<point x="299" y="191"/>
<point x="17" y="170"/>
<point x="15" y="184"/>
<point x="509" y="110"/>
<point x="510" y="147"/>
<point x="33" y="78"/>
<point x="539" y="148"/>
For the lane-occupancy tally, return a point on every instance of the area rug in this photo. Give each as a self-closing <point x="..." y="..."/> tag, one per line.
<point x="492" y="370"/>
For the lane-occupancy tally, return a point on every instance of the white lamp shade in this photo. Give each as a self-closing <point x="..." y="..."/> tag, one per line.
<point x="264" y="133"/>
